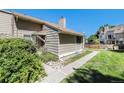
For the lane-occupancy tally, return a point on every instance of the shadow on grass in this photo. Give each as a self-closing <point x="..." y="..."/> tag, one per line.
<point x="91" y="76"/>
<point x="118" y="51"/>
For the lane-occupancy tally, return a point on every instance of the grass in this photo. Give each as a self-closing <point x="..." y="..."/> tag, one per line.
<point x="94" y="49"/>
<point x="107" y="66"/>
<point x="47" y="56"/>
<point x="72" y="59"/>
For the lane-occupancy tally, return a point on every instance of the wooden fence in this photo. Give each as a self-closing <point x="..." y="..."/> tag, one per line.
<point x="95" y="46"/>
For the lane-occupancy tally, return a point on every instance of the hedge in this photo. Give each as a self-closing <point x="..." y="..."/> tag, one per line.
<point x="19" y="62"/>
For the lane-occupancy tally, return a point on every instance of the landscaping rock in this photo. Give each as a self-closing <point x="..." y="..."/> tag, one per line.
<point x="55" y="64"/>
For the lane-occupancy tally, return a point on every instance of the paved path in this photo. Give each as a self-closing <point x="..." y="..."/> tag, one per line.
<point x="55" y="76"/>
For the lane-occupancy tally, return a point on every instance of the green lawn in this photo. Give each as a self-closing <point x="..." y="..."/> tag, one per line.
<point x="107" y="66"/>
<point x="73" y="59"/>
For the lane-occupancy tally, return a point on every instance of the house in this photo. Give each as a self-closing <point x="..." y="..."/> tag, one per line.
<point x="54" y="38"/>
<point x="113" y="35"/>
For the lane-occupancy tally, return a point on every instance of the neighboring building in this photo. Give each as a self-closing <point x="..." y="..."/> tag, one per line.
<point x="114" y="35"/>
<point x="54" y="38"/>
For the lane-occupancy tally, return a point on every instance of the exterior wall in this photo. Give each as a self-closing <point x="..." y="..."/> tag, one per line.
<point x="10" y="27"/>
<point x="27" y="28"/>
<point x="102" y="37"/>
<point x="5" y="23"/>
<point x="15" y="29"/>
<point x="118" y="29"/>
<point x="119" y="38"/>
<point x="68" y="45"/>
<point x="51" y="40"/>
<point x="109" y="33"/>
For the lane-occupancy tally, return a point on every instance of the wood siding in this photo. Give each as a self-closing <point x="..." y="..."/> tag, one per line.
<point x="27" y="25"/>
<point x="52" y="40"/>
<point x="27" y="28"/>
<point x="68" y="44"/>
<point x="5" y="23"/>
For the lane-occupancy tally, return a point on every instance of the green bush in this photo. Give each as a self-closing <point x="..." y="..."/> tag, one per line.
<point x="47" y="56"/>
<point x="19" y="61"/>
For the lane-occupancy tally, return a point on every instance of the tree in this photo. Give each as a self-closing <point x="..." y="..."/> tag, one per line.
<point x="102" y="28"/>
<point x="93" y="39"/>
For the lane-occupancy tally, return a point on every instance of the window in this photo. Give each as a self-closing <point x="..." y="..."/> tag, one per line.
<point x="113" y="42"/>
<point x="102" y="42"/>
<point x="109" y="36"/>
<point x="28" y="37"/>
<point x="78" y="39"/>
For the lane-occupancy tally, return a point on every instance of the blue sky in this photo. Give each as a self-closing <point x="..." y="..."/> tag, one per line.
<point x="82" y="20"/>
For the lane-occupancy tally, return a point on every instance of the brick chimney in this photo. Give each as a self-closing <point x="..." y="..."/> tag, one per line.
<point x="62" y="22"/>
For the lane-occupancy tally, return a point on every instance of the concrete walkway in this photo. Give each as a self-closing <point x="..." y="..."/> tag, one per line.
<point x="55" y="76"/>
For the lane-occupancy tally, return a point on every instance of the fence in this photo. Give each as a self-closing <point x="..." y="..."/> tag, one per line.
<point x="95" y="46"/>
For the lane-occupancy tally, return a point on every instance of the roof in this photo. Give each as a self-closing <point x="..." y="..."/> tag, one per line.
<point x="52" y="25"/>
<point x="117" y="29"/>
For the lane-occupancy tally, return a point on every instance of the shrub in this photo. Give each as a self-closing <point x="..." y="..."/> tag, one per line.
<point x="19" y="61"/>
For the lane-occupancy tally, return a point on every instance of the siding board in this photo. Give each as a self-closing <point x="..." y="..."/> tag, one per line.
<point x="52" y="40"/>
<point x="5" y="23"/>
